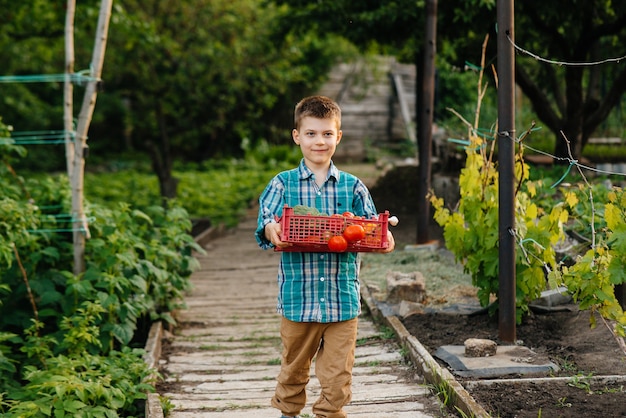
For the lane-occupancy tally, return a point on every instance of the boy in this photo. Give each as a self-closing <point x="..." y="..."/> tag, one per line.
<point x="318" y="292"/>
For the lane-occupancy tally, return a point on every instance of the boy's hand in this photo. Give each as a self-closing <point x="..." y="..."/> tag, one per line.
<point x="391" y="246"/>
<point x="273" y="233"/>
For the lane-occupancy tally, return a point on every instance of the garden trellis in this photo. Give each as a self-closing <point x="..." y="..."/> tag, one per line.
<point x="596" y="280"/>
<point x="506" y="49"/>
<point x="75" y="138"/>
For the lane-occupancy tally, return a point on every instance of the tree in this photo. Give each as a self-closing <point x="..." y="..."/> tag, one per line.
<point x="570" y="99"/>
<point x="182" y="80"/>
<point x="199" y="77"/>
<point x="32" y="45"/>
<point x="573" y="99"/>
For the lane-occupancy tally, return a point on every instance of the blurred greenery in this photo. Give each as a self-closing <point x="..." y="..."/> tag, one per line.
<point x="201" y="80"/>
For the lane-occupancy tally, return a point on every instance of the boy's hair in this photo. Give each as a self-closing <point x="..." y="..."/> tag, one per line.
<point x="320" y="107"/>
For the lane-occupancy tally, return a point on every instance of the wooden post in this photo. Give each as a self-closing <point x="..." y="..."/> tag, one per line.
<point x="81" y="231"/>
<point x="68" y="88"/>
<point x="425" y="130"/>
<point x="506" y="171"/>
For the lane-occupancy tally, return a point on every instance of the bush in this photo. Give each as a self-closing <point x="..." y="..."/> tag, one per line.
<point x="64" y="339"/>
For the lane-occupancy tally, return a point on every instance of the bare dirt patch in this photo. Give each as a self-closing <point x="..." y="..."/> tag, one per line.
<point x="582" y="353"/>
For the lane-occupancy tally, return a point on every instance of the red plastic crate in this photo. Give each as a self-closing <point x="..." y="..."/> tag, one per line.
<point x="310" y="233"/>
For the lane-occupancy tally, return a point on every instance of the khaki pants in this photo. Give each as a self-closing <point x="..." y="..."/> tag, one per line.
<point x="334" y="344"/>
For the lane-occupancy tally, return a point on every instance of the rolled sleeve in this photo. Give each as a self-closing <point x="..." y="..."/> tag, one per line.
<point x="270" y="207"/>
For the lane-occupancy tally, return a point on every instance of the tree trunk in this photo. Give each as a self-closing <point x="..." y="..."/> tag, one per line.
<point x="162" y="167"/>
<point x="162" y="159"/>
<point x="81" y="231"/>
<point x="168" y="186"/>
<point x="68" y="88"/>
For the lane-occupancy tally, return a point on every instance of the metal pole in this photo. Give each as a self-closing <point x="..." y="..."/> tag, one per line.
<point x="425" y="131"/>
<point x="506" y="161"/>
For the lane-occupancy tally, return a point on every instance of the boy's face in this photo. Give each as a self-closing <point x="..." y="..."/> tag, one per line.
<point x="318" y="139"/>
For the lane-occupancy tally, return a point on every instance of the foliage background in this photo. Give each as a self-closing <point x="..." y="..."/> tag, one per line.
<point x="197" y="97"/>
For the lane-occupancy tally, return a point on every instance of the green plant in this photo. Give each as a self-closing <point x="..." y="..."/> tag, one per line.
<point x="78" y="381"/>
<point x="221" y="192"/>
<point x="471" y="230"/>
<point x="562" y="403"/>
<point x="166" y="405"/>
<point x="66" y="341"/>
<point x="611" y="390"/>
<point x="592" y="278"/>
<point x="581" y="382"/>
<point x="566" y="365"/>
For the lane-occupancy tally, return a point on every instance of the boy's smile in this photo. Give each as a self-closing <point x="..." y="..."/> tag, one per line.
<point x="318" y="139"/>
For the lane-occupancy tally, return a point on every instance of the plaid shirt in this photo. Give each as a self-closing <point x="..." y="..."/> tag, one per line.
<point x="316" y="287"/>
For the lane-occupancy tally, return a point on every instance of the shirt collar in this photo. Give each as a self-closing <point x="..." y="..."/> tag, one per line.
<point x="304" y="172"/>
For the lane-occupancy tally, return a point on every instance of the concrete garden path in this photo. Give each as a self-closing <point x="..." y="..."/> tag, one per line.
<point x="222" y="360"/>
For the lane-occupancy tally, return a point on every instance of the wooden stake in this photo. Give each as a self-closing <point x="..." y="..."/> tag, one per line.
<point x="81" y="229"/>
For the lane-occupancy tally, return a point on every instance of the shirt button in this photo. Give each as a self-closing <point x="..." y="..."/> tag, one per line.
<point x="319" y="193"/>
<point x="322" y="300"/>
<point x="321" y="279"/>
<point x="321" y="257"/>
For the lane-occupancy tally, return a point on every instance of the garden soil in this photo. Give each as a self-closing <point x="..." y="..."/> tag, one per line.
<point x="565" y="336"/>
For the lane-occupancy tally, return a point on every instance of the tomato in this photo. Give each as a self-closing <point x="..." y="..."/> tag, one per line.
<point x="337" y="244"/>
<point x="348" y="215"/>
<point x="354" y="233"/>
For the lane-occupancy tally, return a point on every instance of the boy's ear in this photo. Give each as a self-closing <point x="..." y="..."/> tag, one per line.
<point x="339" y="135"/>
<point x="295" y="135"/>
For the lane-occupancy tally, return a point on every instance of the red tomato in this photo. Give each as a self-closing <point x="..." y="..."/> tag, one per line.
<point x="337" y="244"/>
<point x="348" y="215"/>
<point x="354" y="233"/>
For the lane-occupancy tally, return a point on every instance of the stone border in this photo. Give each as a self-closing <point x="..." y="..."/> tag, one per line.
<point x="421" y="358"/>
<point x="153" y="347"/>
<point x="203" y="238"/>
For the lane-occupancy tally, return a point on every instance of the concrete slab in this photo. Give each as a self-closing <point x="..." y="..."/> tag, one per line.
<point x="508" y="360"/>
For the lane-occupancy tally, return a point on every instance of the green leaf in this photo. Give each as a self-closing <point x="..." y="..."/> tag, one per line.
<point x="73" y="405"/>
<point x="124" y="333"/>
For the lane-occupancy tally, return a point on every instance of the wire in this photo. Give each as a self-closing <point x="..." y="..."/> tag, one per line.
<point x="572" y="163"/>
<point x="77" y="78"/>
<point x="38" y="137"/>
<point x="565" y="63"/>
<point x="48" y="231"/>
<point x="66" y="217"/>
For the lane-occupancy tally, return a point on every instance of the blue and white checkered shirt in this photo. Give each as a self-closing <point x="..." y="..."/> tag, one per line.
<point x="316" y="287"/>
